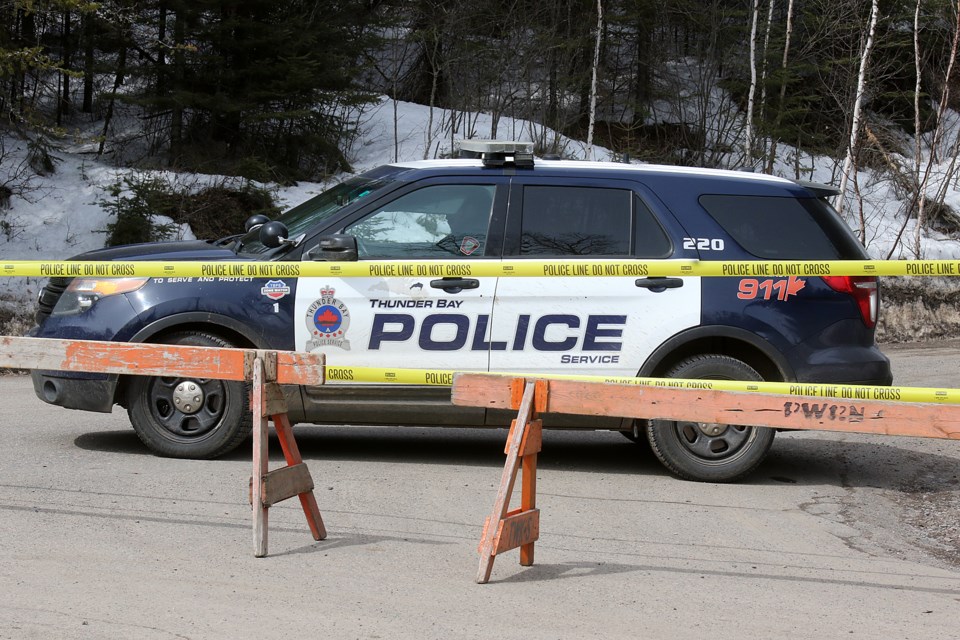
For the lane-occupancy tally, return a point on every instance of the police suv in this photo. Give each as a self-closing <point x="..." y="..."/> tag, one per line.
<point x="498" y="203"/>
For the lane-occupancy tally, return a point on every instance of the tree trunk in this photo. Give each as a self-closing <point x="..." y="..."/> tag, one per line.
<point x="86" y="21"/>
<point x="783" y="88"/>
<point x="763" y="64"/>
<point x="162" y="49"/>
<point x="117" y="83"/>
<point x="748" y="144"/>
<point x="63" y="104"/>
<point x="857" y="110"/>
<point x="593" y="81"/>
<point x="176" y="113"/>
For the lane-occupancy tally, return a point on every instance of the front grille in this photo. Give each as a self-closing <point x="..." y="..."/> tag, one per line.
<point x="48" y="297"/>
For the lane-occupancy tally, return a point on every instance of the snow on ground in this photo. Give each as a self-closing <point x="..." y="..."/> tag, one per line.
<point x="62" y="215"/>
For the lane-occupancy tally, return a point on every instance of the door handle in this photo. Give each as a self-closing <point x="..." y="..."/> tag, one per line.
<point x="658" y="285"/>
<point x="454" y="285"/>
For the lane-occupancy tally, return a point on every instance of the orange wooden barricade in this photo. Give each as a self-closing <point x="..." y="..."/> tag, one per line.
<point x="505" y="530"/>
<point x="265" y="369"/>
<point x="270" y="487"/>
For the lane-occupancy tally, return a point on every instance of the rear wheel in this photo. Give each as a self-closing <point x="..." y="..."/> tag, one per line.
<point x="709" y="452"/>
<point x="189" y="417"/>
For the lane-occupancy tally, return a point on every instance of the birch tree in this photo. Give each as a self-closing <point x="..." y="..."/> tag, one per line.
<point x="788" y="33"/>
<point x="942" y="107"/>
<point x="593" y="81"/>
<point x="857" y="111"/>
<point x="748" y="144"/>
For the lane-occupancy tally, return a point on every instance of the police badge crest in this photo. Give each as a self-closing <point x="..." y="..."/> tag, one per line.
<point x="327" y="321"/>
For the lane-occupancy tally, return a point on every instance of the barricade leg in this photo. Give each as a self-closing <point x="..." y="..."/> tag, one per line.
<point x="291" y="453"/>
<point x="260" y="462"/>
<point x="270" y="487"/>
<point x="504" y="529"/>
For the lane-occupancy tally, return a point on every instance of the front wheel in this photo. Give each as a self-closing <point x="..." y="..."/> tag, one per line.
<point x="709" y="452"/>
<point x="189" y="417"/>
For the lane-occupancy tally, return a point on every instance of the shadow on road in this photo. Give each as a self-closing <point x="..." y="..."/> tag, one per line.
<point x="793" y="460"/>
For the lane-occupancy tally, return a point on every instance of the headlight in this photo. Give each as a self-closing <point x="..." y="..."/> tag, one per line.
<point x="83" y="293"/>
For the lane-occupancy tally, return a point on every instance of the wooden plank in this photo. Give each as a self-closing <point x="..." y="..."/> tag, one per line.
<point x="118" y="357"/>
<point x="286" y="482"/>
<point x="260" y="464"/>
<point x="501" y="503"/>
<point x="268" y="360"/>
<point x="528" y="486"/>
<point x="518" y="528"/>
<point x="923" y="420"/>
<point x="274" y="402"/>
<point x="291" y="453"/>
<point x="532" y="442"/>
<point x="541" y="397"/>
<point x="296" y="367"/>
<point x="517" y="387"/>
<point x="151" y="359"/>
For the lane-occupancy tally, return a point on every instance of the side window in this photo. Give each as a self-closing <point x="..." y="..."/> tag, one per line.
<point x="575" y="221"/>
<point x="440" y="221"/>
<point x="650" y="240"/>
<point x="776" y="228"/>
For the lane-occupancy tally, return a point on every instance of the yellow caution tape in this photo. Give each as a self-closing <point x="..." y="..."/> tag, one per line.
<point x="481" y="268"/>
<point x="835" y="391"/>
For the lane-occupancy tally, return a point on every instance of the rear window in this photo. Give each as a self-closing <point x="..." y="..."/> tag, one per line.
<point x="784" y="228"/>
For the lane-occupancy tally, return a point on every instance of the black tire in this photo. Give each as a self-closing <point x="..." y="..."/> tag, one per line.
<point x="217" y="424"/>
<point x="706" y="452"/>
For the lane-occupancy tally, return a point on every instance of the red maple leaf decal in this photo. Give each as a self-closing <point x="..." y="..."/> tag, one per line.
<point x="794" y="284"/>
<point x="327" y="318"/>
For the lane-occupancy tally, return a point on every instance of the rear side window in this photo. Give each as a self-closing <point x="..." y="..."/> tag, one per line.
<point x="650" y="240"/>
<point x="575" y="221"/>
<point x="784" y="228"/>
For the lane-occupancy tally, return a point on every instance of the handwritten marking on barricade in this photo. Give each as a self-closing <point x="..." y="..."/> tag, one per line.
<point x="824" y="411"/>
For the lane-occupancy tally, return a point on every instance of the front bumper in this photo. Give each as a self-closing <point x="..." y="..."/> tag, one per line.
<point x="87" y="392"/>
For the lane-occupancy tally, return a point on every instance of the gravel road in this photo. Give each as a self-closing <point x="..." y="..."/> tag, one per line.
<point x="836" y="535"/>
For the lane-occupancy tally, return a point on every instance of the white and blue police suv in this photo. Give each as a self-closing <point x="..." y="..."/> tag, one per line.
<point x="499" y="204"/>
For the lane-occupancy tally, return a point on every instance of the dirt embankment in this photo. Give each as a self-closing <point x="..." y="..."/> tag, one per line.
<point x="919" y="309"/>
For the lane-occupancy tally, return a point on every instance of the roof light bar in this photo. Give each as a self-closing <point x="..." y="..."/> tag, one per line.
<point x="498" y="153"/>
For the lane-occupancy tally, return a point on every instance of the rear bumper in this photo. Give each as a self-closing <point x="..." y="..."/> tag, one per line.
<point x="843" y="353"/>
<point x="94" y="393"/>
<point x="856" y="366"/>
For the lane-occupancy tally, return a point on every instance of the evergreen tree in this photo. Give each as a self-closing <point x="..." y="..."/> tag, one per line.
<point x="252" y="86"/>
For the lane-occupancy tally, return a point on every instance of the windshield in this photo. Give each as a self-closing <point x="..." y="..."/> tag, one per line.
<point x="303" y="217"/>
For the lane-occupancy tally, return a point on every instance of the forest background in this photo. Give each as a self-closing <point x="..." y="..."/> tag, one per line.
<point x="858" y="93"/>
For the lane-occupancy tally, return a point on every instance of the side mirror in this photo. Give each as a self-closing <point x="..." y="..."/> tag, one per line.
<point x="273" y="234"/>
<point x="255" y="221"/>
<point x="335" y="248"/>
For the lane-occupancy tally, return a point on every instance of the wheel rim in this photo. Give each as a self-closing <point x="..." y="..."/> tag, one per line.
<point x="712" y="442"/>
<point x="187" y="408"/>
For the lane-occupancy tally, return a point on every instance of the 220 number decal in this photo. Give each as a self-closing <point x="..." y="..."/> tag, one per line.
<point x="703" y="244"/>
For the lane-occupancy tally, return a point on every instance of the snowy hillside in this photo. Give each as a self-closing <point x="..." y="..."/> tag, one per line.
<point x="62" y="215"/>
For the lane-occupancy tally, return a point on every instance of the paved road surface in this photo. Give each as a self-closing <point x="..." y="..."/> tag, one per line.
<point x="835" y="537"/>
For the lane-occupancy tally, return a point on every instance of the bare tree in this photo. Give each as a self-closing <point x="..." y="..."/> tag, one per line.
<point x="593" y="81"/>
<point x="748" y="143"/>
<point x="788" y="33"/>
<point x="857" y="110"/>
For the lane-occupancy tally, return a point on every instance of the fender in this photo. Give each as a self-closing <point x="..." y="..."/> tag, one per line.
<point x="716" y="331"/>
<point x="198" y="317"/>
